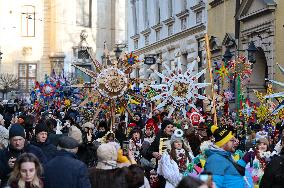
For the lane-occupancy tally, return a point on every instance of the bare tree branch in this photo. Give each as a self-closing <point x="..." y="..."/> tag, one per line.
<point x="8" y="82"/>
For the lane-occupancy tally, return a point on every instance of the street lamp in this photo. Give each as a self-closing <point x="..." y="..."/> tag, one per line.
<point x="252" y="52"/>
<point x="228" y="55"/>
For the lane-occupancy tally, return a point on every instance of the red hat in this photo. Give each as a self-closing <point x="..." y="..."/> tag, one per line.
<point x="132" y="125"/>
<point x="151" y="124"/>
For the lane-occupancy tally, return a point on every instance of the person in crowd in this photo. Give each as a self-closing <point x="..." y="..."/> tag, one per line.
<point x="273" y="176"/>
<point x="151" y="129"/>
<point x="74" y="131"/>
<point x="135" y="143"/>
<point x="4" y="133"/>
<point x="17" y="146"/>
<point x="257" y="158"/>
<point x="102" y="130"/>
<point x="191" y="182"/>
<point x="52" y="135"/>
<point x="159" y="145"/>
<point x="175" y="161"/>
<point x="138" y="120"/>
<point x="65" y="170"/>
<point x="226" y="172"/>
<point x="41" y="140"/>
<point x="27" y="172"/>
<point x="120" y="133"/>
<point x="87" y="150"/>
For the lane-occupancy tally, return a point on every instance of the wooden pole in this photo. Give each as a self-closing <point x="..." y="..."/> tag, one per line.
<point x="208" y="52"/>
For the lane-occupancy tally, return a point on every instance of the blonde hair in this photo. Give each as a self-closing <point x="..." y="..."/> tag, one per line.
<point x="16" y="175"/>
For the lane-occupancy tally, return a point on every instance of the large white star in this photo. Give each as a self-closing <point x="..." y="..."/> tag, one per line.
<point x="276" y="95"/>
<point x="179" y="89"/>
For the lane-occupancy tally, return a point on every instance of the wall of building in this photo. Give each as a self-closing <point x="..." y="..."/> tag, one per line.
<point x="57" y="32"/>
<point x="176" y="38"/>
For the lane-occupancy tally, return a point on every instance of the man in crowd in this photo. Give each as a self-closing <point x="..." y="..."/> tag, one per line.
<point x="17" y="146"/>
<point x="41" y="140"/>
<point x="226" y="172"/>
<point x="65" y="170"/>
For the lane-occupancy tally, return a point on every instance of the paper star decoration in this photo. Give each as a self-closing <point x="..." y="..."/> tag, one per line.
<point x="242" y="68"/>
<point x="222" y="72"/>
<point x="179" y="89"/>
<point x="276" y="95"/>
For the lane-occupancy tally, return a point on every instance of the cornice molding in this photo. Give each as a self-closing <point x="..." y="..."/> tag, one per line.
<point x="135" y="37"/>
<point x="215" y="3"/>
<point x="146" y="31"/>
<point x="157" y="26"/>
<point x="197" y="7"/>
<point x="183" y="34"/>
<point x="169" y="21"/>
<point x="183" y="14"/>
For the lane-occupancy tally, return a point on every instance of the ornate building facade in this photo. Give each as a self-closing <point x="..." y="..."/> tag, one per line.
<point x="37" y="36"/>
<point x="237" y="26"/>
<point x="166" y="30"/>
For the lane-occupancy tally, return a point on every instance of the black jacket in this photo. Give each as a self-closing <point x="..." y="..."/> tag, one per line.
<point x="48" y="149"/>
<point x="9" y="152"/>
<point x="274" y="173"/>
<point x="66" y="171"/>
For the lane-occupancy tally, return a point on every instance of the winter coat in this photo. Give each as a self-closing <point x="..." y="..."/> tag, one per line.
<point x="48" y="149"/>
<point x="225" y="174"/>
<point x="154" y="147"/>
<point x="9" y="152"/>
<point x="66" y="171"/>
<point x="274" y="173"/>
<point x="4" y="136"/>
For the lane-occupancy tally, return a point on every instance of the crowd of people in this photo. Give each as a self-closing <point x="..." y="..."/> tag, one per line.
<point x="59" y="148"/>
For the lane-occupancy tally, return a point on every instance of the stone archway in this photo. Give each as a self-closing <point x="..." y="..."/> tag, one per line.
<point x="259" y="73"/>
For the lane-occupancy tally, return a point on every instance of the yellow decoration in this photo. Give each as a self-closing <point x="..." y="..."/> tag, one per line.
<point x="202" y="161"/>
<point x="223" y="72"/>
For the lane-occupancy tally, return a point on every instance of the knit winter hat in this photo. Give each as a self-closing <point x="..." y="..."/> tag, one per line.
<point x="165" y="123"/>
<point x="75" y="133"/>
<point x="67" y="142"/>
<point x="177" y="136"/>
<point x="88" y="125"/>
<point x="17" y="130"/>
<point x="263" y="140"/>
<point x="221" y="135"/>
<point x="41" y="128"/>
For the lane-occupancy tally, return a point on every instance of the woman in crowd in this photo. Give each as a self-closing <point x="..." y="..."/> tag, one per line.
<point x="26" y="173"/>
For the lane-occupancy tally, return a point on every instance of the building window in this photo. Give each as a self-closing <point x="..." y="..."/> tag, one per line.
<point x="27" y="76"/>
<point x="83" y="54"/>
<point x="170" y="29"/>
<point x="184" y="6"/>
<point x="28" y="21"/>
<point x="146" y="39"/>
<point x="134" y="16"/>
<point x="158" y="12"/>
<point x="158" y="34"/>
<point x="198" y="17"/>
<point x="146" y="18"/>
<point x="183" y="23"/>
<point x="84" y="13"/>
<point x="135" y="44"/>
<point x="170" y="8"/>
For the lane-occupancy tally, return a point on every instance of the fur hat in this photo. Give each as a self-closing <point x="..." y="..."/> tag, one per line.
<point x="41" y="128"/>
<point x="88" y="125"/>
<point x="75" y="133"/>
<point x="107" y="156"/>
<point x="221" y="135"/>
<point x="165" y="123"/>
<point x="177" y="136"/>
<point x="17" y="130"/>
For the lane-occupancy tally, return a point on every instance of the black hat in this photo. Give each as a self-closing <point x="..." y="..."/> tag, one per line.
<point x="67" y="142"/>
<point x="41" y="128"/>
<point x="165" y="123"/>
<point x="221" y="135"/>
<point x="17" y="130"/>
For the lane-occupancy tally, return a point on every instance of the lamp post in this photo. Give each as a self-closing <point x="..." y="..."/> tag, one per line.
<point x="227" y="55"/>
<point x="252" y="52"/>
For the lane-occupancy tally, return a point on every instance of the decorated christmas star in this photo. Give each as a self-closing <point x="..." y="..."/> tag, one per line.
<point x="179" y="89"/>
